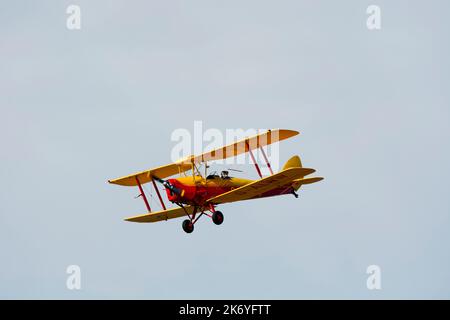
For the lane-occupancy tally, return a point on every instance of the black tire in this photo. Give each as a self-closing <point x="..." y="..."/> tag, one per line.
<point x="188" y="226"/>
<point x="217" y="217"/>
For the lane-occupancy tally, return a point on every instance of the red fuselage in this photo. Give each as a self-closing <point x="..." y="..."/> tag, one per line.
<point x="197" y="190"/>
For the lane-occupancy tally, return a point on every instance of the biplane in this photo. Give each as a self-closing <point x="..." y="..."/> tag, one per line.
<point x="196" y="194"/>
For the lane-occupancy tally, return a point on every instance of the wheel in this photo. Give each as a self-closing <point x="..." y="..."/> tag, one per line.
<point x="217" y="217"/>
<point x="188" y="226"/>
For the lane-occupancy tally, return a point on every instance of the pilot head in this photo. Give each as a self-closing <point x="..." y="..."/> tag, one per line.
<point x="224" y="174"/>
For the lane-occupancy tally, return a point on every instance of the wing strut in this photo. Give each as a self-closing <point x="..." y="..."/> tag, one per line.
<point x="143" y="195"/>
<point x="253" y="159"/>
<point x="159" y="195"/>
<point x="265" y="159"/>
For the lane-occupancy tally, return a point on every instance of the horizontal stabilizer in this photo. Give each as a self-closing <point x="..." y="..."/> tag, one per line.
<point x="299" y="182"/>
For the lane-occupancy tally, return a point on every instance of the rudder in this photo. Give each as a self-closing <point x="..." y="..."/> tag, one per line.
<point x="293" y="162"/>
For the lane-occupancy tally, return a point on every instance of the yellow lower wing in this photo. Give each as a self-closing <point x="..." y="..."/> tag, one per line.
<point x="258" y="187"/>
<point x="162" y="215"/>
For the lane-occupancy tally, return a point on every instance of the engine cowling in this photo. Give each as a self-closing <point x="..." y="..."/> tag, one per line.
<point x="188" y="193"/>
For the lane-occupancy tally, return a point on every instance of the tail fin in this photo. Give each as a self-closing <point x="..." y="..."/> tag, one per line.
<point x="294" y="162"/>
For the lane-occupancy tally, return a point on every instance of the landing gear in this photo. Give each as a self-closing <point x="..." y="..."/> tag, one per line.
<point x="188" y="226"/>
<point x="217" y="217"/>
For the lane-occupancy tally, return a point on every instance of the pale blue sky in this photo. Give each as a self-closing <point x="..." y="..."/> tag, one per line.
<point x="80" y="107"/>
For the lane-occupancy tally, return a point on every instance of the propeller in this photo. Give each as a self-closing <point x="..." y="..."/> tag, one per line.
<point x="168" y="185"/>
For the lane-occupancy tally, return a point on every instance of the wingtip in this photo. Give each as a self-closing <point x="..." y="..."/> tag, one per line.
<point x="112" y="181"/>
<point x="289" y="133"/>
<point x="295" y="132"/>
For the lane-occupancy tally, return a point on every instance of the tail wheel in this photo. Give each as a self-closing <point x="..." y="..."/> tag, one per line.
<point x="188" y="226"/>
<point x="217" y="217"/>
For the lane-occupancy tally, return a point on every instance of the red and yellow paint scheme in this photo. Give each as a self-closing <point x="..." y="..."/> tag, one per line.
<point x="197" y="194"/>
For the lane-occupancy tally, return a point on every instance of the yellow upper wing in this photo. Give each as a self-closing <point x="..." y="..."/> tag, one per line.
<point x="258" y="187"/>
<point x="162" y="215"/>
<point x="146" y="176"/>
<point x="243" y="146"/>
<point x="231" y="150"/>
